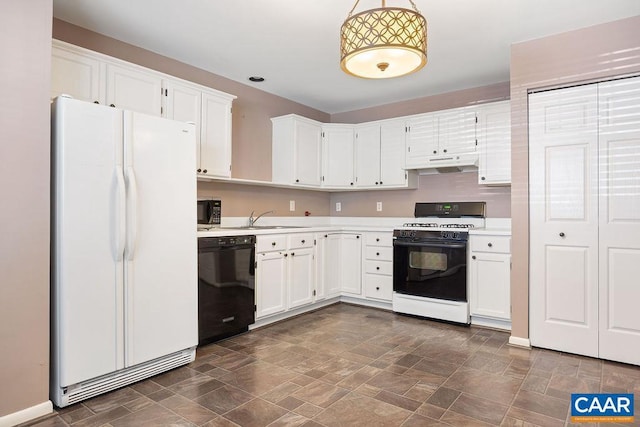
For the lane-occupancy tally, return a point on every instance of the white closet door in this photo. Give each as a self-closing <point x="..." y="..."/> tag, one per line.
<point x="563" y="155"/>
<point x="620" y="220"/>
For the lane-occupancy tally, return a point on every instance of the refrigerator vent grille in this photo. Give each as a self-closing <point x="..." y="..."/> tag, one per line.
<point x="94" y="387"/>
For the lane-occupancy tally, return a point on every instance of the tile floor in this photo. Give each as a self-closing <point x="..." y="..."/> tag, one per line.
<point x="346" y="365"/>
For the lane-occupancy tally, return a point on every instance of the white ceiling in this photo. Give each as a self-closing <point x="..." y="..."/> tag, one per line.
<point x="294" y="44"/>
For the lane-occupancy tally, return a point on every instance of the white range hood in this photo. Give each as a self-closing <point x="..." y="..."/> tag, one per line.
<point x="461" y="162"/>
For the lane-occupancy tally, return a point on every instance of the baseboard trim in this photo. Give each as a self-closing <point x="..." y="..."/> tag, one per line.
<point x="28" y="414"/>
<point x="519" y="342"/>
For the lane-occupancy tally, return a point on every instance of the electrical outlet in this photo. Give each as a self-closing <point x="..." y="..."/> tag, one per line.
<point x="292" y="205"/>
<point x="379" y="206"/>
<point x="338" y="206"/>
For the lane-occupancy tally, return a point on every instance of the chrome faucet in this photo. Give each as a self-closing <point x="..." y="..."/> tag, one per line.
<point x="253" y="220"/>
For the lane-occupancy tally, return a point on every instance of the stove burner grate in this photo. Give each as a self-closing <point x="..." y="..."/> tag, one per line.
<point x="434" y="225"/>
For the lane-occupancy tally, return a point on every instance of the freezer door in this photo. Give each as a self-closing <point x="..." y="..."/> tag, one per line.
<point x="87" y="241"/>
<point x="161" y="275"/>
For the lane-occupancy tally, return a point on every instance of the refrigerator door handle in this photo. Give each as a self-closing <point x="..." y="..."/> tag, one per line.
<point x="132" y="217"/>
<point x="121" y="213"/>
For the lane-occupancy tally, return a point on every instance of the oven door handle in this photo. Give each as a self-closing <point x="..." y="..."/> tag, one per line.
<point x="430" y="245"/>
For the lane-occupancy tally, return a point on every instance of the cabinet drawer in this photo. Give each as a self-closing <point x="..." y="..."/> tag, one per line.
<point x="379" y="252"/>
<point x="497" y="244"/>
<point x="378" y="267"/>
<point x="300" y="240"/>
<point x="379" y="239"/>
<point x="276" y="242"/>
<point x="378" y="286"/>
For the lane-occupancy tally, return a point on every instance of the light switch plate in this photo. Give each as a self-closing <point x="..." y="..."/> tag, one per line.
<point x="338" y="206"/>
<point x="292" y="205"/>
<point x="379" y="206"/>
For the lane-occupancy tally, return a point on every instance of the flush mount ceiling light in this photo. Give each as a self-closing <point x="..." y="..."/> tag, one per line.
<point x="384" y="42"/>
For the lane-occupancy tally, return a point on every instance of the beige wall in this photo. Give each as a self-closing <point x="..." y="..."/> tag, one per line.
<point x="25" y="43"/>
<point x="240" y="200"/>
<point x="442" y="101"/>
<point x="592" y="53"/>
<point x="458" y="187"/>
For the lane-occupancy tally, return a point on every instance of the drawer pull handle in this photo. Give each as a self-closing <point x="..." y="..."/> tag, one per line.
<point x="377" y="239"/>
<point x="377" y="268"/>
<point x="377" y="288"/>
<point x="490" y="244"/>
<point x="473" y="257"/>
<point x="273" y="243"/>
<point x="561" y="234"/>
<point x="303" y="241"/>
<point x="377" y="253"/>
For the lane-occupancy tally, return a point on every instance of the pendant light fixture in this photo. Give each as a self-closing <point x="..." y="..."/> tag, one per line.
<point x="384" y="42"/>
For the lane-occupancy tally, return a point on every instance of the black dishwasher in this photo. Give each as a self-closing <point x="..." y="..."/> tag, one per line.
<point x="226" y="286"/>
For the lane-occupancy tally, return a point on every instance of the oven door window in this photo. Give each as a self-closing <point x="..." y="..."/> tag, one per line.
<point x="434" y="272"/>
<point x="427" y="261"/>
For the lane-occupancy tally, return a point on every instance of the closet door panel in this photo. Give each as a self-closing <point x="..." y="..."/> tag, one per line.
<point x="619" y="224"/>
<point x="563" y="155"/>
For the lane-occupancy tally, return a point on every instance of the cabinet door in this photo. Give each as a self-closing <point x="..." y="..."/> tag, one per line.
<point x="392" y="158"/>
<point x="619" y="220"/>
<point x="494" y="143"/>
<point x="134" y="89"/>
<point x="338" y="156"/>
<point x="301" y="283"/>
<point x="75" y="74"/>
<point x="330" y="265"/>
<point x="307" y="153"/>
<point x="490" y="285"/>
<point x="351" y="263"/>
<point x="367" y="152"/>
<point x="456" y="131"/>
<point x="422" y="139"/>
<point x="270" y="284"/>
<point x="563" y="159"/>
<point x="215" y="142"/>
<point x="184" y="103"/>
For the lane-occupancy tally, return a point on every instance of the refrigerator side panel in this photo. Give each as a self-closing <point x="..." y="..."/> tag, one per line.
<point x="161" y="274"/>
<point x="85" y="272"/>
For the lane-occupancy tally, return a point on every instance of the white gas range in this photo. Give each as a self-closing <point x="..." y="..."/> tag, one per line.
<point x="430" y="257"/>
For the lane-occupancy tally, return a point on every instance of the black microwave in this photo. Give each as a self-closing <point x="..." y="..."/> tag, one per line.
<point x="209" y="211"/>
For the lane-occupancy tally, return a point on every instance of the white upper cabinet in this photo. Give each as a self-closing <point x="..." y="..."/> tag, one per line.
<point x="392" y="158"/>
<point x="94" y="77"/>
<point x="215" y="137"/>
<point x="422" y="139"/>
<point x="367" y="151"/>
<point x="296" y="150"/>
<point x="442" y="138"/>
<point x="76" y="74"/>
<point x="133" y="88"/>
<point x="380" y="155"/>
<point x="494" y="143"/>
<point x="338" y="150"/>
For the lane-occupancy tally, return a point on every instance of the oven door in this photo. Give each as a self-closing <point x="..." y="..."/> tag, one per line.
<point x="433" y="269"/>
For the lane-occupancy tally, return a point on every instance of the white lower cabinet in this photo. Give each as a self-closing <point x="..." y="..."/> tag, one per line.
<point x="285" y="273"/>
<point x="271" y="275"/>
<point x="351" y="263"/>
<point x="300" y="260"/>
<point x="489" y="280"/>
<point x="378" y="266"/>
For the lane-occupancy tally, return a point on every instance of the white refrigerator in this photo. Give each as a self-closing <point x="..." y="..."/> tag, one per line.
<point x="124" y="302"/>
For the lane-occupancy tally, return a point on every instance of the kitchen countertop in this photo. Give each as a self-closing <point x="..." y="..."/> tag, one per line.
<point x="286" y="225"/>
